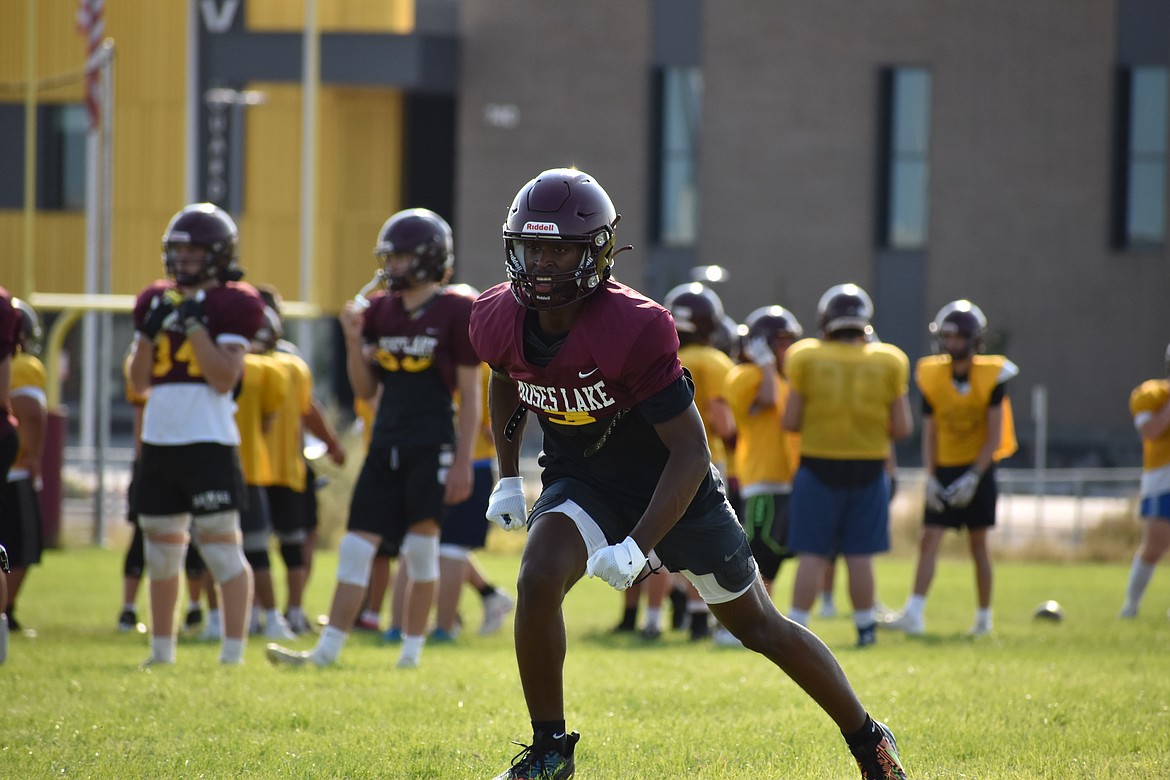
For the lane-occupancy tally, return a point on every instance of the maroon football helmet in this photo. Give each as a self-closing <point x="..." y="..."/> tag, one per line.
<point x="560" y="205"/>
<point x="424" y="234"/>
<point x="207" y="226"/>
<point x="845" y="307"/>
<point x="696" y="309"/>
<point x="30" y="327"/>
<point x="771" y="322"/>
<point x="961" y="318"/>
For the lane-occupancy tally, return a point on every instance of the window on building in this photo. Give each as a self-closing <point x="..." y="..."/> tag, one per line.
<point x="680" y="97"/>
<point x="61" y="150"/>
<point x="906" y="145"/>
<point x="1142" y="158"/>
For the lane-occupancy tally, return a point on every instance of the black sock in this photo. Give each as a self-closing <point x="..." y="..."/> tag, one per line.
<point x="629" y="618"/>
<point x="544" y="730"/>
<point x="487" y="590"/>
<point x="867" y="734"/>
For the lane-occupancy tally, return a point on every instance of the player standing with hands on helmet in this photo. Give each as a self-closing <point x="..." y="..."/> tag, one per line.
<point x="193" y="331"/>
<point x="626" y="467"/>
<point x="966" y="429"/>
<point x="412" y="340"/>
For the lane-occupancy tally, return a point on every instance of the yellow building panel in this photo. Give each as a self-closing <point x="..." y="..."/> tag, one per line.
<point x="60" y="48"/>
<point x="387" y="16"/>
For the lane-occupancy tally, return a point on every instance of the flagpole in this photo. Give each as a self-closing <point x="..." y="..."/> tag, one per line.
<point x="28" y="280"/>
<point x="106" y="331"/>
<point x="310" y="81"/>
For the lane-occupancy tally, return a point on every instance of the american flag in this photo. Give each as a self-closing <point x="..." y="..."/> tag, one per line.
<point x="91" y="24"/>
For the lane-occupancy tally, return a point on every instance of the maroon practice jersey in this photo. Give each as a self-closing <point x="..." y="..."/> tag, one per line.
<point x="416" y="355"/>
<point x="231" y="312"/>
<point x="616" y="374"/>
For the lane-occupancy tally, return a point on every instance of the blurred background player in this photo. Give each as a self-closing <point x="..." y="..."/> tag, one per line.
<point x="1149" y="404"/>
<point x="9" y="443"/>
<point x="260" y="397"/>
<point x="292" y="492"/>
<point x="848" y="401"/>
<point x="766" y="455"/>
<point x="967" y="428"/>
<point x="412" y="340"/>
<point x="700" y="322"/>
<point x="193" y="331"/>
<point x="20" y="507"/>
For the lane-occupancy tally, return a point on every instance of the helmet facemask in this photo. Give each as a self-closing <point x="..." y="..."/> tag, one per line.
<point x="540" y="290"/>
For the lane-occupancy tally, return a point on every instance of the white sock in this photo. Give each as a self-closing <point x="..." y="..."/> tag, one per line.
<point x="369" y="615"/>
<point x="983" y="617"/>
<point x="272" y="617"/>
<point x="213" y="617"/>
<point x="1139" y="577"/>
<point x="827" y="598"/>
<point x="330" y="644"/>
<point x="799" y="616"/>
<point x="653" y="617"/>
<point x="162" y="648"/>
<point x="191" y="605"/>
<point x="130" y="607"/>
<point x="915" y="605"/>
<point x="3" y="637"/>
<point x="865" y="617"/>
<point x="412" y="645"/>
<point x="231" y="651"/>
<point x="295" y="613"/>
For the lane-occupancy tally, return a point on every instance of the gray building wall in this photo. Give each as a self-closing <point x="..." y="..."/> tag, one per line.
<point x="1021" y="168"/>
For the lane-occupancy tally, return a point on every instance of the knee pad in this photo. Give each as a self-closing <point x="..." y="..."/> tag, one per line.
<point x="224" y="560"/>
<point x="422" y="556"/>
<point x="355" y="557"/>
<point x="163" y="559"/>
<point x="258" y="560"/>
<point x="293" y="554"/>
<point x="216" y="523"/>
<point x="453" y="552"/>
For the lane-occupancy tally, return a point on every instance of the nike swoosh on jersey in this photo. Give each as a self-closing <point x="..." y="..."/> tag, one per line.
<point x="584" y="374"/>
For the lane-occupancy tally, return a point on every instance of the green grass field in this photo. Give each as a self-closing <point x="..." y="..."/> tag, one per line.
<point x="1089" y="697"/>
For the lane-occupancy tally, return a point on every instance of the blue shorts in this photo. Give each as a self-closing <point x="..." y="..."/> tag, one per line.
<point x="829" y="521"/>
<point x="1156" y="506"/>
<point x="466" y="524"/>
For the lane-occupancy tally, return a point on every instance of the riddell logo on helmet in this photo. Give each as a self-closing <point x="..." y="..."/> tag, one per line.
<point x="542" y="227"/>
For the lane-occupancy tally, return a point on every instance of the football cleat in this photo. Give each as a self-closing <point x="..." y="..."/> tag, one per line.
<point x="880" y="761"/>
<point x="194" y="618"/>
<point x="867" y="635"/>
<point x="392" y="635"/>
<point x="547" y="758"/>
<point x="128" y="621"/>
<point x="914" y="625"/>
<point x="496" y="607"/>
<point x="282" y="656"/>
<point x="441" y="636"/>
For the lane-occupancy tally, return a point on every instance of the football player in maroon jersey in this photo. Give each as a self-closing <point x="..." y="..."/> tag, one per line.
<point x="412" y="340"/>
<point x="626" y="466"/>
<point x="193" y="330"/>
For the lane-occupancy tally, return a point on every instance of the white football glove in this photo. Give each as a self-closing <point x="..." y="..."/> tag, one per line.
<point x="934" y="495"/>
<point x="759" y="352"/>
<point x="618" y="564"/>
<point x="960" y="492"/>
<point x="506" y="507"/>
